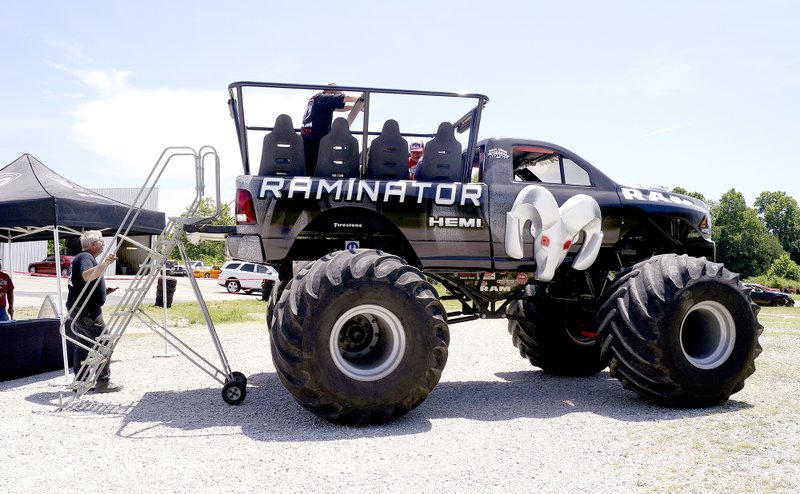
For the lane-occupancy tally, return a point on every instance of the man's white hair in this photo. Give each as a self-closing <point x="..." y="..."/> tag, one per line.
<point x="89" y="236"/>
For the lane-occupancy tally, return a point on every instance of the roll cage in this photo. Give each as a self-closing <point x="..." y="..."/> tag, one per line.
<point x="468" y="123"/>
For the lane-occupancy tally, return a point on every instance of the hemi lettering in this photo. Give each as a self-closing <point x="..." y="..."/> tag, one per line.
<point x="454" y="222"/>
<point x="273" y="185"/>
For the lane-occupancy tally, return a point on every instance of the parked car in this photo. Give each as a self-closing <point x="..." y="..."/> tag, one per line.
<point x="768" y="297"/>
<point x="180" y="269"/>
<point x="206" y="271"/>
<point x="170" y="266"/>
<point x="48" y="266"/>
<point x="765" y="288"/>
<point x="247" y="276"/>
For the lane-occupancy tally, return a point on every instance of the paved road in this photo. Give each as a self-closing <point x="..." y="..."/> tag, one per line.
<point x="31" y="290"/>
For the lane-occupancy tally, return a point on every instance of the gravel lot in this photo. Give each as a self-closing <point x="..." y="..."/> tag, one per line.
<point x="494" y="424"/>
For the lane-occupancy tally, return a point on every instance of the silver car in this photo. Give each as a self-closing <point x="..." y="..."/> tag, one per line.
<point x="246" y="276"/>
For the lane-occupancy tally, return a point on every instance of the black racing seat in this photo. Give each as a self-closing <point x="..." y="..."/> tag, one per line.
<point x="388" y="154"/>
<point x="338" y="153"/>
<point x="282" y="152"/>
<point x="441" y="161"/>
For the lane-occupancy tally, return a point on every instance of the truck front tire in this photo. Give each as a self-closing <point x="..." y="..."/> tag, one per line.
<point x="359" y="337"/>
<point x="680" y="331"/>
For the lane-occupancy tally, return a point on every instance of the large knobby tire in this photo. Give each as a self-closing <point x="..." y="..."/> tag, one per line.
<point x="359" y="337"/>
<point x="279" y="286"/>
<point x="679" y="330"/>
<point x="557" y="337"/>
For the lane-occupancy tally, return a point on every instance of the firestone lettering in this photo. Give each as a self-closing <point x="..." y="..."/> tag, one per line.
<point x="444" y="194"/>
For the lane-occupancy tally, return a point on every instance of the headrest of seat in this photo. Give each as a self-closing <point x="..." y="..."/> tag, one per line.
<point x="283" y="123"/>
<point x="390" y="127"/>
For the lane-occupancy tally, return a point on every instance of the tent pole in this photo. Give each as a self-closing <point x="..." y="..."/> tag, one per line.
<point x="10" y="258"/>
<point x="61" y="328"/>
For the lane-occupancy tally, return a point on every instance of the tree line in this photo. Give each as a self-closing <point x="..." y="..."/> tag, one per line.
<point x="762" y="240"/>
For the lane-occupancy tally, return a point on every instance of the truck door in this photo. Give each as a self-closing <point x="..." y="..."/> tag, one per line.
<point x="454" y="223"/>
<point x="511" y="167"/>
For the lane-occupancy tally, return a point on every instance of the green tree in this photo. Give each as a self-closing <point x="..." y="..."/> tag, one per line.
<point x="209" y="251"/>
<point x="696" y="195"/>
<point x="784" y="267"/>
<point x="743" y="242"/>
<point x="781" y="216"/>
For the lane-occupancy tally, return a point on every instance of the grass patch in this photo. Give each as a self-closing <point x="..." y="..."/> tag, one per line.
<point x="779" y="317"/>
<point x="222" y="312"/>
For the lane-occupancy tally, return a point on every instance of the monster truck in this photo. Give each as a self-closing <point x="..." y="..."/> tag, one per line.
<point x="590" y="274"/>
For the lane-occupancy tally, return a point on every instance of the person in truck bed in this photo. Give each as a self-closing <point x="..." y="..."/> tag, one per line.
<point x="317" y="121"/>
<point x="415" y="151"/>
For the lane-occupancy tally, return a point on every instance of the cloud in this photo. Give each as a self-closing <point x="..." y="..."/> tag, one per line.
<point x="70" y="49"/>
<point x="102" y="80"/>
<point x="130" y="126"/>
<point x="666" y="129"/>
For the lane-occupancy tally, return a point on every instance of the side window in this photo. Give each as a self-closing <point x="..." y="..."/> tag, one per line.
<point x="248" y="267"/>
<point x="574" y="174"/>
<point x="262" y="269"/>
<point x="547" y="169"/>
<point x="538" y="164"/>
<point x="234" y="265"/>
<point x="50" y="259"/>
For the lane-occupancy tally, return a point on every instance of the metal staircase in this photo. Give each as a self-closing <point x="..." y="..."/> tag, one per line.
<point x="234" y="383"/>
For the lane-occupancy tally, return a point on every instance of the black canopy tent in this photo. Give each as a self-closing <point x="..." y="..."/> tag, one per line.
<point x="34" y="200"/>
<point x="37" y="203"/>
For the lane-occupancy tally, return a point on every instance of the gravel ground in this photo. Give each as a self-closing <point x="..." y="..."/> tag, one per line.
<point x="493" y="424"/>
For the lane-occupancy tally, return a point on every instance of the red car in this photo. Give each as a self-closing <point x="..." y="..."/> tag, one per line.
<point x="48" y="266"/>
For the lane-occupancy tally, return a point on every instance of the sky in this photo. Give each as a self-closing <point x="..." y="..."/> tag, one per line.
<point x="704" y="95"/>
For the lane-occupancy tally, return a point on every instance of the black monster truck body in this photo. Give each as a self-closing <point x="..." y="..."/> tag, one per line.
<point x="589" y="273"/>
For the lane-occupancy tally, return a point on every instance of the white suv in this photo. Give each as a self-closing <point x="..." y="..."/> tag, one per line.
<point x="247" y="276"/>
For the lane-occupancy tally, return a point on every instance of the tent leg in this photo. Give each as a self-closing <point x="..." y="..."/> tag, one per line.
<point x="61" y="317"/>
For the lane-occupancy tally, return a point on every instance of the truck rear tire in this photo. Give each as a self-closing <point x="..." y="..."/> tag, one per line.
<point x="278" y="288"/>
<point x="680" y="331"/>
<point x="555" y="344"/>
<point x="359" y="337"/>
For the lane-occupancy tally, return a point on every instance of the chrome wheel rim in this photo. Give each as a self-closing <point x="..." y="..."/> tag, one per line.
<point x="708" y="335"/>
<point x="367" y="342"/>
